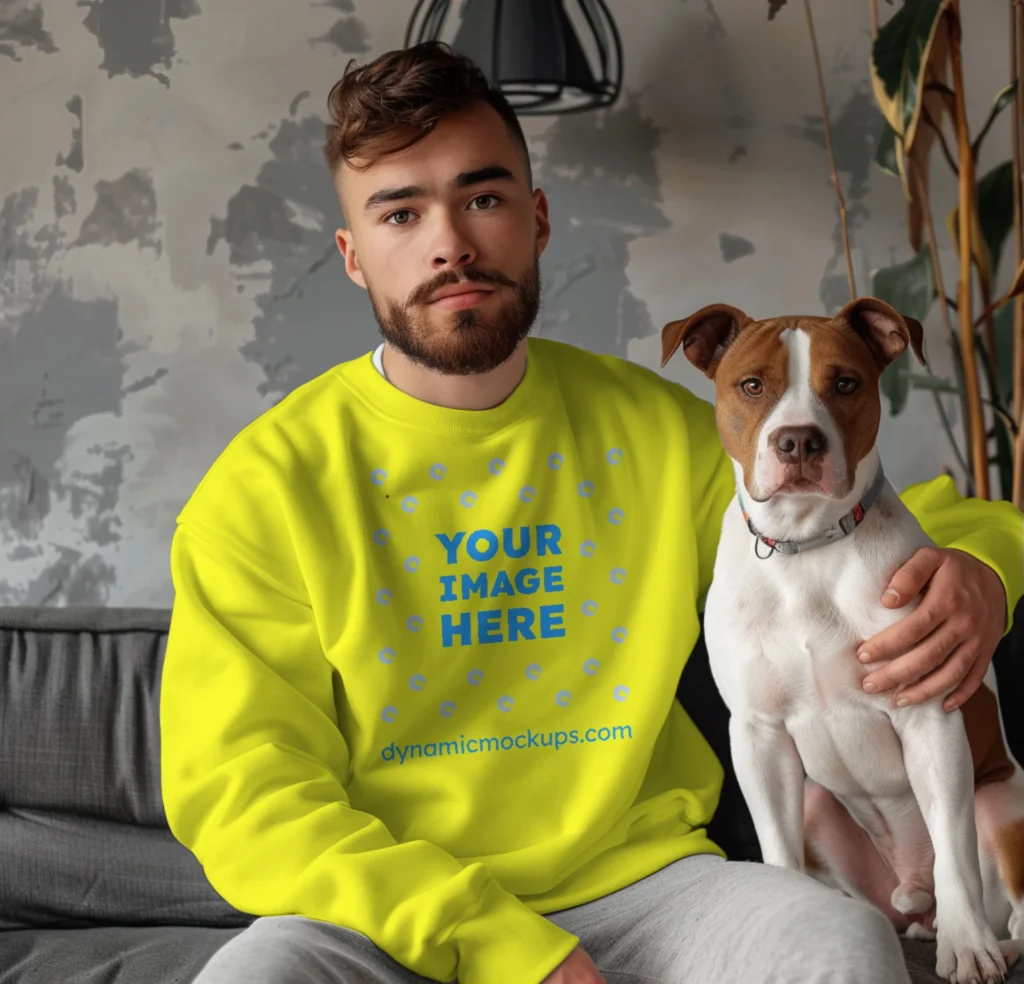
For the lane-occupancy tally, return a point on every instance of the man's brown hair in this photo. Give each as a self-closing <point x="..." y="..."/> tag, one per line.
<point x="397" y="99"/>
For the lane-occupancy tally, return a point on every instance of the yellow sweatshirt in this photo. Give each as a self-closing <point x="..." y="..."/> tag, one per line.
<point x="422" y="662"/>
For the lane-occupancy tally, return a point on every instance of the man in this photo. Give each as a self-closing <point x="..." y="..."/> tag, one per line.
<point x="431" y="611"/>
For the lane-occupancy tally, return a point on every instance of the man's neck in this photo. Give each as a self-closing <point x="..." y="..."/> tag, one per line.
<point x="480" y="391"/>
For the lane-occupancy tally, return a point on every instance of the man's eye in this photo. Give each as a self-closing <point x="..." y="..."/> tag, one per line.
<point x="401" y="217"/>
<point x="482" y="198"/>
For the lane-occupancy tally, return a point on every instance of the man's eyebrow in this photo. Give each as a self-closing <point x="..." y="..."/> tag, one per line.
<point x="388" y="195"/>
<point x="493" y="173"/>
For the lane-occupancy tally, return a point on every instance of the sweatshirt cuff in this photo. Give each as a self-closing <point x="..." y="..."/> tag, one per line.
<point x="505" y="940"/>
<point x="977" y="545"/>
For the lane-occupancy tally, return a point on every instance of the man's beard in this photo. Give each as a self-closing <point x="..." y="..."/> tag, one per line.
<point x="469" y="343"/>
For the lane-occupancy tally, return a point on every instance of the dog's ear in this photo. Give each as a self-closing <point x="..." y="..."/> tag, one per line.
<point x="704" y="336"/>
<point x="886" y="331"/>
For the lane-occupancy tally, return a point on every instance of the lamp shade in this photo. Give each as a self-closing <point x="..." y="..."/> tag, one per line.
<point x="546" y="56"/>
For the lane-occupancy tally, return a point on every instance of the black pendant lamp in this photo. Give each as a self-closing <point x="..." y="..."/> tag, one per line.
<point x="546" y="56"/>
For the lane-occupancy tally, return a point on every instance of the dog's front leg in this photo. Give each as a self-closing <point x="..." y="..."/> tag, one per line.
<point x="771" y="778"/>
<point x="937" y="758"/>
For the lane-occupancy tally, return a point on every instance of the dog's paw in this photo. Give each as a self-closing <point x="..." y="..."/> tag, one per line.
<point x="911" y="900"/>
<point x="970" y="957"/>
<point x="918" y="931"/>
<point x="1012" y="950"/>
<point x="1017" y="923"/>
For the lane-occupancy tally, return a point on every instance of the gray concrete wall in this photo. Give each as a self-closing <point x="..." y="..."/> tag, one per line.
<point x="167" y="267"/>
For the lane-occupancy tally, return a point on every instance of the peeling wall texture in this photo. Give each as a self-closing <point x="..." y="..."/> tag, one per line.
<point x="168" y="270"/>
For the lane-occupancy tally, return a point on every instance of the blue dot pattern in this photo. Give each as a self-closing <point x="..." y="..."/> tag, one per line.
<point x="475" y="677"/>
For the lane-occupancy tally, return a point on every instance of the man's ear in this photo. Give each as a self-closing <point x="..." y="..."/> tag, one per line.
<point x="343" y="240"/>
<point x="886" y="331"/>
<point x="704" y="336"/>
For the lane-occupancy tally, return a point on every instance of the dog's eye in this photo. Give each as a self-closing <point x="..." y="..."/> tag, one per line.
<point x="752" y="387"/>
<point x="845" y="385"/>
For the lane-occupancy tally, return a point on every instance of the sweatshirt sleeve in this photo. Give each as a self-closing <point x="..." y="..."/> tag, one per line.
<point x="992" y="532"/>
<point x="712" y="483"/>
<point x="253" y="769"/>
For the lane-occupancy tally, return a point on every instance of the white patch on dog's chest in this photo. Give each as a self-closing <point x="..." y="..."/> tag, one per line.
<point x="793" y="643"/>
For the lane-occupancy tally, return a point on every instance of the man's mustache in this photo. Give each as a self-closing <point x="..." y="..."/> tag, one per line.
<point x="421" y="295"/>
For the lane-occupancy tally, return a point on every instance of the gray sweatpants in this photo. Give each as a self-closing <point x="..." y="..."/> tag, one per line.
<point x="700" y="920"/>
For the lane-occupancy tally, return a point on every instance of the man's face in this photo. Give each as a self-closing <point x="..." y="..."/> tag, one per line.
<point x="446" y="236"/>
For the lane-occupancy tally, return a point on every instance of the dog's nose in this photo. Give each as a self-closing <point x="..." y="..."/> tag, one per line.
<point x="799" y="444"/>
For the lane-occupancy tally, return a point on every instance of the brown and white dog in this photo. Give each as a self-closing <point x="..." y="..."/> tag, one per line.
<point x="918" y="810"/>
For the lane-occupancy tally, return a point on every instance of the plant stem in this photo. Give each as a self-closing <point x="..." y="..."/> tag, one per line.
<point x="944" y="420"/>
<point x="930" y="120"/>
<point x="947" y="322"/>
<point x="990" y="331"/>
<point x="831" y="154"/>
<point x="967" y="210"/>
<point x="874" y="18"/>
<point x="1016" y="55"/>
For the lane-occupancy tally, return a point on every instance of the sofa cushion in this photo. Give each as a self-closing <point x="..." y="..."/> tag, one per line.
<point x="58" y="869"/>
<point x="83" y="834"/>
<point x="111" y="955"/>
<point x="80" y="711"/>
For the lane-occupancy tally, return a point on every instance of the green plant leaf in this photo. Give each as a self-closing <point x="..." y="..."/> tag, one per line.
<point x="895" y="383"/>
<point x="920" y="381"/>
<point x="994" y="220"/>
<point x="1003" y="319"/>
<point x="1003" y="99"/>
<point x="885" y="153"/>
<point x="1017" y="287"/>
<point x="900" y="57"/>
<point x="910" y="288"/>
<point x="995" y="210"/>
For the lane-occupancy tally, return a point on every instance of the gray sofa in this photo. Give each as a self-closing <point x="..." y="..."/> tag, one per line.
<point x="93" y="887"/>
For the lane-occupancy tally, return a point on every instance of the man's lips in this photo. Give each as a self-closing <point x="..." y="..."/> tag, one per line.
<point x="459" y="296"/>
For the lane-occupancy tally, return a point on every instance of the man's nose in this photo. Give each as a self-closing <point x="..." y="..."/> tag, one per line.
<point x="452" y="248"/>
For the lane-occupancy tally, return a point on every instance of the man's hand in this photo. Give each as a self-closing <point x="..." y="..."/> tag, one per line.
<point x="949" y="638"/>
<point x="577" y="968"/>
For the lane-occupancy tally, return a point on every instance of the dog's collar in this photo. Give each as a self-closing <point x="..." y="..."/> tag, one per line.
<point x="846" y="525"/>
